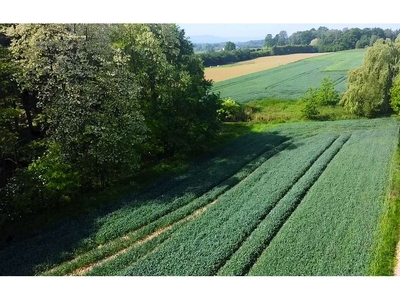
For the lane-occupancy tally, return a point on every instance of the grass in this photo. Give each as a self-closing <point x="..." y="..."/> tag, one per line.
<point x="204" y="245"/>
<point x="248" y="252"/>
<point x="281" y="199"/>
<point x="332" y="231"/>
<point x="147" y="210"/>
<point x="281" y="111"/>
<point x="384" y="260"/>
<point x="291" y="81"/>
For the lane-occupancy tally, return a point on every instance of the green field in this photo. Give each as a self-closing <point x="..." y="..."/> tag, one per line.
<point x="291" y="81"/>
<point x="296" y="199"/>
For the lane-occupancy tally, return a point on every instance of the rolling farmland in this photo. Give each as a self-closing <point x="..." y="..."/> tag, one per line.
<point x="226" y="72"/>
<point x="297" y="199"/>
<point x="291" y="81"/>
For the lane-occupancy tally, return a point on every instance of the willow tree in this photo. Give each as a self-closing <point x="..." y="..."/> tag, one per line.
<point x="368" y="88"/>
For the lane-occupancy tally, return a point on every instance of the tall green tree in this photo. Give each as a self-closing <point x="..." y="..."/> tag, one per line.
<point x="87" y="96"/>
<point x="269" y="41"/>
<point x="179" y="108"/>
<point x="369" y="86"/>
<point x="230" y="46"/>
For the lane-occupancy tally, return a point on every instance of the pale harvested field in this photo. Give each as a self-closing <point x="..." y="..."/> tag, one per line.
<point x="255" y="65"/>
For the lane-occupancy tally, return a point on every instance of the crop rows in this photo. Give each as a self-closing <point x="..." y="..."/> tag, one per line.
<point x="303" y="199"/>
<point x="205" y="243"/>
<point x="124" y="242"/>
<point x="332" y="232"/>
<point x="74" y="237"/>
<point x="291" y="81"/>
<point x="243" y="259"/>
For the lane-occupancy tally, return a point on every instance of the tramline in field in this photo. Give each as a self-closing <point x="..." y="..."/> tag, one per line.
<point x="291" y="81"/>
<point x="299" y="199"/>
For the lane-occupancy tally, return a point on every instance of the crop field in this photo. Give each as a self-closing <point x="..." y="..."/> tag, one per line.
<point x="297" y="199"/>
<point x="226" y="72"/>
<point x="291" y="81"/>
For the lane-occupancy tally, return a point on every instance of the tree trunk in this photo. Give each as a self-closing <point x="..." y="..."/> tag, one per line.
<point x="26" y="98"/>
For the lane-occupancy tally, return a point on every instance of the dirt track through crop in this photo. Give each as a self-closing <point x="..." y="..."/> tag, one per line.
<point x="132" y="238"/>
<point x="88" y="268"/>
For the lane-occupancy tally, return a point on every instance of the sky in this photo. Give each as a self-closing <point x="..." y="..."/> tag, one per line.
<point x="259" y="31"/>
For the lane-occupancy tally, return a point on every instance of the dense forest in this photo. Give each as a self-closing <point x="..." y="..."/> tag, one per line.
<point x="85" y="106"/>
<point x="309" y="41"/>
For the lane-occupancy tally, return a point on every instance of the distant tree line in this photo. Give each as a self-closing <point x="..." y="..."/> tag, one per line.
<point x="83" y="107"/>
<point x="308" y="41"/>
<point x="204" y="47"/>
<point x="328" y="40"/>
<point x="228" y="57"/>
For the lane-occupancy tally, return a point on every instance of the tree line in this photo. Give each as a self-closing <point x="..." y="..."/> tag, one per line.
<point x="231" y="56"/>
<point x="308" y="41"/>
<point x="85" y="106"/>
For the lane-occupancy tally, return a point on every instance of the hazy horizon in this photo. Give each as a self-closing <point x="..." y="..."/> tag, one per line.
<point x="259" y="31"/>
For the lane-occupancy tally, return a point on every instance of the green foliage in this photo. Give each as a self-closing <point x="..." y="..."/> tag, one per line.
<point x="101" y="142"/>
<point x="310" y="100"/>
<point x="368" y="86"/>
<point x="178" y="106"/>
<point x="395" y="95"/>
<point x="326" y="94"/>
<point x="290" y="49"/>
<point x="219" y="58"/>
<point x="231" y="111"/>
<point x="292" y="80"/>
<point x="47" y="182"/>
<point x="229" y="46"/>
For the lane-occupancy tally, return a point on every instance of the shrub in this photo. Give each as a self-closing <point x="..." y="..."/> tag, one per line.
<point x="309" y="110"/>
<point x="47" y="182"/>
<point x="231" y="111"/>
<point x="326" y="94"/>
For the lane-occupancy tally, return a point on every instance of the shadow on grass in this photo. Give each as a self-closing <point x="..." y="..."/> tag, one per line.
<point x="43" y="249"/>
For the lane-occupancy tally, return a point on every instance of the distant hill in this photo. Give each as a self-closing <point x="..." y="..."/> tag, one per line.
<point x="211" y="39"/>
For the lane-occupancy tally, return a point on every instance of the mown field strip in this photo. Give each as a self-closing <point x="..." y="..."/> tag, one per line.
<point x="201" y="246"/>
<point x="242" y="260"/>
<point x="113" y="246"/>
<point x="333" y="231"/>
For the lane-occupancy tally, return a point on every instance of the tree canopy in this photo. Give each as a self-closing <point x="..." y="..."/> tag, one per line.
<point x="86" y="105"/>
<point x="369" y="86"/>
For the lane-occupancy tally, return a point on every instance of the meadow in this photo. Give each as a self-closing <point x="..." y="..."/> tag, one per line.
<point x="303" y="198"/>
<point x="291" y="81"/>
